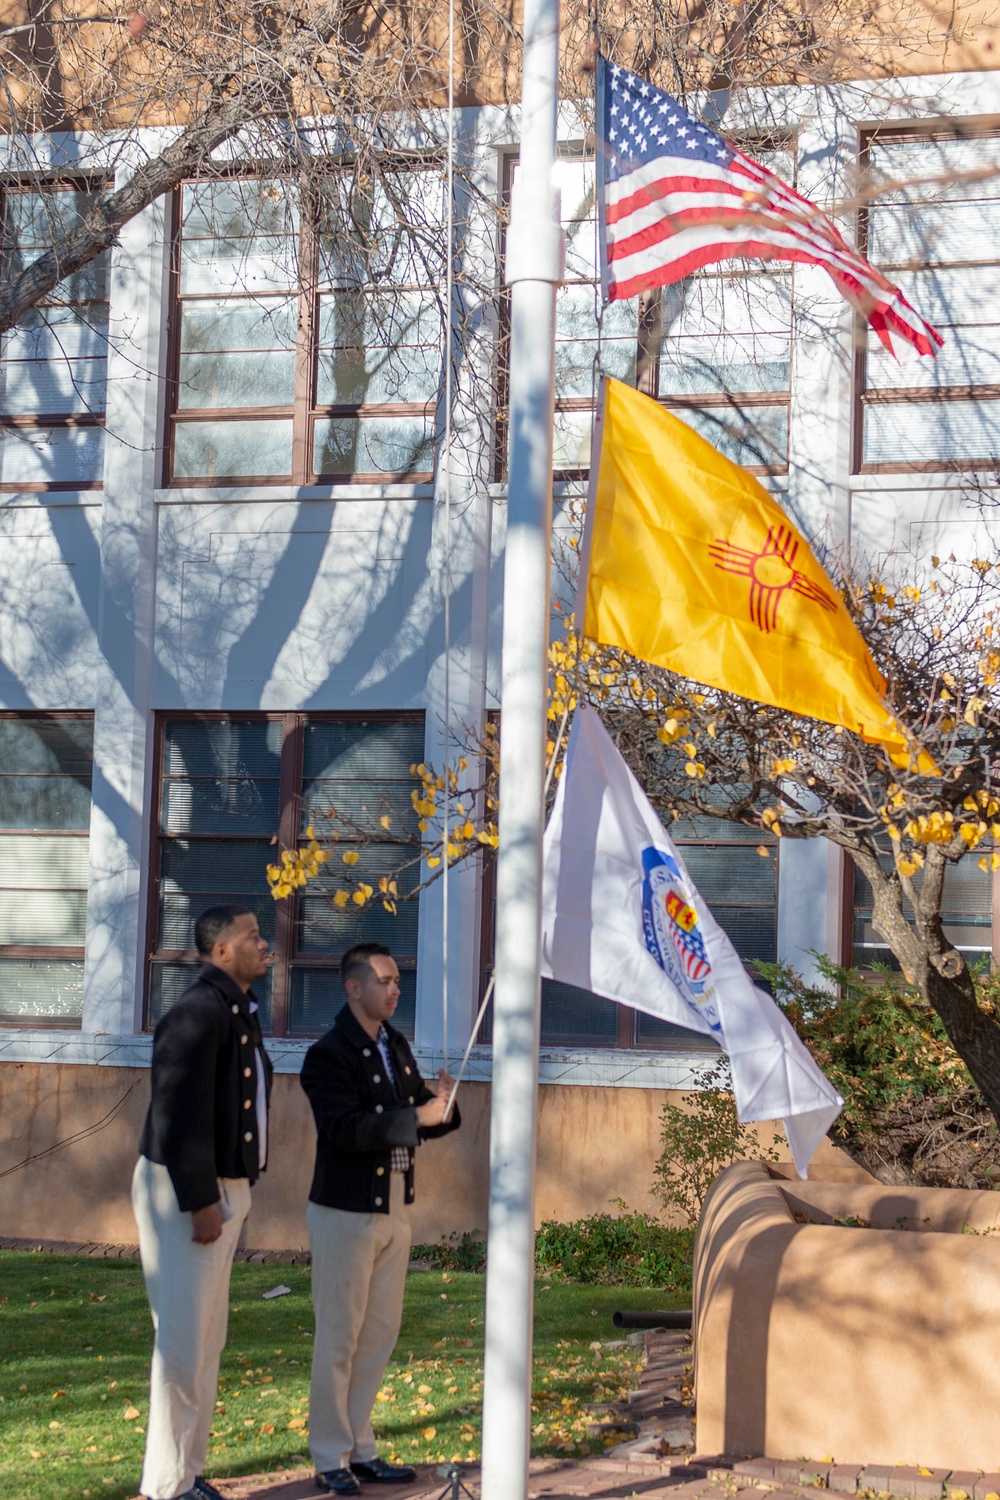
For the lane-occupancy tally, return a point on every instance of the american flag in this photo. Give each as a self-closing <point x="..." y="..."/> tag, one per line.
<point x="674" y="196"/>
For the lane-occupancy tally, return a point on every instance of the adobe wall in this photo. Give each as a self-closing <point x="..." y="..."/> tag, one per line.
<point x="595" y="1144"/>
<point x="816" y="1340"/>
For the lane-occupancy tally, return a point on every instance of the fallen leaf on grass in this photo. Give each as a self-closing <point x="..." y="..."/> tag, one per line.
<point x="130" y="1413"/>
<point x="267" y="1428"/>
<point x="297" y="1424"/>
<point x="56" y="1394"/>
<point x="424" y="1390"/>
<point x="429" y="1434"/>
<point x="95" y="1298"/>
<point x="54" y="1425"/>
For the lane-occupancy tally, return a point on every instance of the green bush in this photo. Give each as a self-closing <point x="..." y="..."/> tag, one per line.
<point x="700" y="1137"/>
<point x="911" y="1112"/>
<point x="454" y="1252"/>
<point x="624" y="1250"/>
<point x="874" y="1036"/>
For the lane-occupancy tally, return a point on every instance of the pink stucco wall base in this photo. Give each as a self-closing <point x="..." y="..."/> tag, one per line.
<point x="594" y="1144"/>
<point x="815" y="1340"/>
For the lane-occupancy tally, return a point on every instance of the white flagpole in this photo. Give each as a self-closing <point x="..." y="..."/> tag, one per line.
<point x="534" y="268"/>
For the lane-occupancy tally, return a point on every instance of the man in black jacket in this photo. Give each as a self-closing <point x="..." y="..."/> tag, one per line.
<point x="203" y="1144"/>
<point x="372" y="1108"/>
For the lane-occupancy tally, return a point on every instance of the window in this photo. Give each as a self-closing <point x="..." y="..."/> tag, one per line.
<point x="227" y="786"/>
<point x="715" y="348"/>
<point x="307" y="333"/>
<point x="739" y="886"/>
<point x="53" y="364"/>
<point x="720" y="357"/>
<point x="938" y="241"/>
<point x="718" y="346"/>
<point x="966" y="915"/>
<point x="591" y="340"/>
<point x="45" y="771"/>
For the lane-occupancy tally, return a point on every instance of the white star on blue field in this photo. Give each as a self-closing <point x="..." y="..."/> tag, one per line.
<point x="641" y="124"/>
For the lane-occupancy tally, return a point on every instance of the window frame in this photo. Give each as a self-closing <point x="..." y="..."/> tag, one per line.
<point x="980" y="127"/>
<point x="303" y="411"/>
<point x="75" y="954"/>
<point x="33" y="421"/>
<point x="290" y="787"/>
<point x="849" y="913"/>
<point x="647" y="332"/>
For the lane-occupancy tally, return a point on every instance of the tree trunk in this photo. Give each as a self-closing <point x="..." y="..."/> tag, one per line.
<point x="935" y="967"/>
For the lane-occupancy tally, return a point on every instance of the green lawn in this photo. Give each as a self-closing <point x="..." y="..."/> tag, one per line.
<point x="75" y="1340"/>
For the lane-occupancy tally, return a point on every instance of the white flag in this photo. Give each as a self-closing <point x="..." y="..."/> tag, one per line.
<point x="622" y="917"/>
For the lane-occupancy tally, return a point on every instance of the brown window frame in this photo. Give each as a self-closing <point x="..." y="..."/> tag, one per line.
<point x="34" y="421"/>
<point x="304" y="411"/>
<point x="290" y="781"/>
<point x="902" y="395"/>
<point x="647" y="337"/>
<point x="849" y="909"/>
<point x="73" y="953"/>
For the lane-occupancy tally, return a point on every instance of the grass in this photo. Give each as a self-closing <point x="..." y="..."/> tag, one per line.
<point x="75" y="1341"/>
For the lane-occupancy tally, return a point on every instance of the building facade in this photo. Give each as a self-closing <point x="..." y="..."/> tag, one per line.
<point x="244" y="591"/>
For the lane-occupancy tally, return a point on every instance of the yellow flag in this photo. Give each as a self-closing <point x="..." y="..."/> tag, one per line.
<point x="689" y="563"/>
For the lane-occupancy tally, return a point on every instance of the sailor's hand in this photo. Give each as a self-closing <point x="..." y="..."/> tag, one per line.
<point x="445" y="1085"/>
<point x="206" y="1224"/>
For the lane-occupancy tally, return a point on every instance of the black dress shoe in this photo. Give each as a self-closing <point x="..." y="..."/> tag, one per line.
<point x="204" y="1490"/>
<point x="377" y="1471"/>
<point x="338" y="1482"/>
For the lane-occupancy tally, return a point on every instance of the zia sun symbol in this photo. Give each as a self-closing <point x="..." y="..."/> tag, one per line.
<point x="771" y="572"/>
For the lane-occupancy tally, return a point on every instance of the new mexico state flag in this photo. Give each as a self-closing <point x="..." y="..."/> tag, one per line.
<point x="687" y="562"/>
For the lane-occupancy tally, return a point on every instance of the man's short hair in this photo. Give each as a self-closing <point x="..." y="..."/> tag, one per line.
<point x="213" y="923"/>
<point x="356" y="960"/>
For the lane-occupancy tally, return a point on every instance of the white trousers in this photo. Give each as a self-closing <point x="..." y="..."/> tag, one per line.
<point x="188" y="1290"/>
<point x="359" y="1266"/>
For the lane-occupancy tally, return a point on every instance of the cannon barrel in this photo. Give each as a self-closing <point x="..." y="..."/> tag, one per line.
<point x="626" y="1319"/>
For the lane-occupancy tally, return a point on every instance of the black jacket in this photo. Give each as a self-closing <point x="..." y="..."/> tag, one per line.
<point x="202" y="1118"/>
<point x="360" y="1115"/>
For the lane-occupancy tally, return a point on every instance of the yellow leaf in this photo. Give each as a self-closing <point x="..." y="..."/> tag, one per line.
<point x="430" y="1433"/>
<point x="297" y="1424"/>
<point x="763" y="851"/>
<point x="385" y="820"/>
<point x="351" y="857"/>
<point x="267" y="1428"/>
<point x="359" y="898"/>
<point x="424" y="1390"/>
<point x="54" y="1425"/>
<point x="310" y="832"/>
<point x="130" y="1413"/>
<point x="433" y="860"/>
<point x="340" y="898"/>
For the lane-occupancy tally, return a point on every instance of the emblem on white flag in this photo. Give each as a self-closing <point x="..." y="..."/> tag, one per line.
<point x="673" y="936"/>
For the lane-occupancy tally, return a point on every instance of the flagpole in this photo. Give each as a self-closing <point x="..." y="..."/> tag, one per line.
<point x="534" y="268"/>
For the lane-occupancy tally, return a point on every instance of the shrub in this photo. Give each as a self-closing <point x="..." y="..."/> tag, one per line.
<point x="911" y="1112"/>
<point x="700" y="1137"/>
<point x="627" y="1249"/>
<point x="454" y="1252"/>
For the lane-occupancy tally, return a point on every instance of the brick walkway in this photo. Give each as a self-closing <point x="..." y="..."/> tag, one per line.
<point x="660" y="1461"/>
